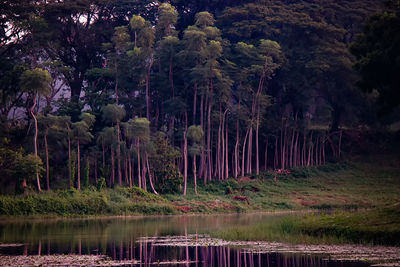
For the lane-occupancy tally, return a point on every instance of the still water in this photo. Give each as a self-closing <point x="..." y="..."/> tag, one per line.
<point x="150" y="241"/>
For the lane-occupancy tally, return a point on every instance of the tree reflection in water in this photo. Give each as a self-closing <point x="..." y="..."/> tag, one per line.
<point x="150" y="253"/>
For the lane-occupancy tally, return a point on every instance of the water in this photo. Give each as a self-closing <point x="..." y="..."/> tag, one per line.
<point x="148" y="240"/>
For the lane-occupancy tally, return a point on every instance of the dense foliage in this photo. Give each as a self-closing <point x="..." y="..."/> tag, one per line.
<point x="124" y="93"/>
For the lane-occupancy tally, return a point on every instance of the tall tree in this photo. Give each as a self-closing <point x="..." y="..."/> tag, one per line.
<point x="36" y="82"/>
<point x="82" y="135"/>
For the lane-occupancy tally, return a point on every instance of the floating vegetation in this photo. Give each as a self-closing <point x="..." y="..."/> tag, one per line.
<point x="62" y="260"/>
<point x="378" y="255"/>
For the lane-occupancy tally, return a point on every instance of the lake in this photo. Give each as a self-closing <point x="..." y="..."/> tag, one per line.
<point x="155" y="240"/>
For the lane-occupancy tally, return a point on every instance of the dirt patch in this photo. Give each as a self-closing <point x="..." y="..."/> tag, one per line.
<point x="184" y="209"/>
<point x="244" y="179"/>
<point x="306" y="202"/>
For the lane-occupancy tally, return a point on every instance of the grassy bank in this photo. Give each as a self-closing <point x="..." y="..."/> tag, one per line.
<point x="119" y="201"/>
<point x="380" y="226"/>
<point x="358" y="184"/>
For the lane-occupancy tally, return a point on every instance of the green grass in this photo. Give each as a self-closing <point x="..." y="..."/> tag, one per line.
<point x="379" y="226"/>
<point x="119" y="201"/>
<point x="362" y="183"/>
<point x="365" y="183"/>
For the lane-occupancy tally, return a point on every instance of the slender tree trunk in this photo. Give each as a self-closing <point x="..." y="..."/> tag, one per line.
<point x="218" y="148"/>
<point x="295" y="159"/>
<point x="195" y="174"/>
<point x="144" y="170"/>
<point x="243" y="150"/>
<point x="222" y="165"/>
<point x="119" y="155"/>
<point x="281" y="150"/>
<point x="209" y="165"/>
<point x="257" y="145"/>
<point x="309" y="151"/>
<point x="79" y="165"/>
<point x="150" y="177"/>
<point x="126" y="169"/>
<point x="276" y="153"/>
<point x="291" y="149"/>
<point x="202" y="157"/>
<point x="148" y="100"/>
<point x="112" y="168"/>
<point x="69" y="162"/>
<point x="249" y="150"/>
<point x="323" y="151"/>
<point x="185" y="155"/>
<point x="47" y="161"/>
<point x="130" y="169"/>
<point x="35" y="137"/>
<point x="194" y="103"/>
<point x="340" y="144"/>
<point x="316" y="151"/>
<point x="266" y="155"/>
<point x="138" y="156"/>
<point x="227" y="151"/>
<point x="237" y="149"/>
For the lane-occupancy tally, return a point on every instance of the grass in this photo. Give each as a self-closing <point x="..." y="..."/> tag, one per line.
<point x="380" y="226"/>
<point x="361" y="183"/>
<point x="119" y="201"/>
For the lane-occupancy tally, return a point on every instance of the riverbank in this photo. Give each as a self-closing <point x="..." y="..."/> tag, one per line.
<point x="379" y="226"/>
<point x="357" y="184"/>
<point x="370" y="186"/>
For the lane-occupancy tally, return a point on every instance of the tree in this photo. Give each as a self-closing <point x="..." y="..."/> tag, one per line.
<point x="195" y="134"/>
<point x="377" y="51"/>
<point x="144" y="40"/>
<point x="114" y="114"/>
<point x="36" y="82"/>
<point x="169" y="179"/>
<point x="55" y="125"/>
<point x="82" y="135"/>
<point x="107" y="138"/>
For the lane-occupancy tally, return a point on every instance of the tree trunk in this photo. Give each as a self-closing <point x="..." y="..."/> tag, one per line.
<point x="112" y="182"/>
<point x="150" y="178"/>
<point x="47" y="161"/>
<point x="185" y="155"/>
<point x="148" y="100"/>
<point x="266" y="155"/>
<point x="35" y="137"/>
<point x="237" y="150"/>
<point x="138" y="156"/>
<point x="340" y="144"/>
<point x="209" y="160"/>
<point x="194" y="103"/>
<point x="257" y="145"/>
<point x="195" y="174"/>
<point x="79" y="165"/>
<point x="202" y="157"/>
<point x="227" y="151"/>
<point x="218" y="148"/>
<point x="295" y="159"/>
<point x="249" y="150"/>
<point x="243" y="150"/>
<point x="69" y="162"/>
<point x="119" y="154"/>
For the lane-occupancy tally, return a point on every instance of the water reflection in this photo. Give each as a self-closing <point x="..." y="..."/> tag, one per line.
<point x="149" y="254"/>
<point x="122" y="240"/>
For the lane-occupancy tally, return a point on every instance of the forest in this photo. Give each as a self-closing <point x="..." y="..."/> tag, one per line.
<point x="169" y="96"/>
